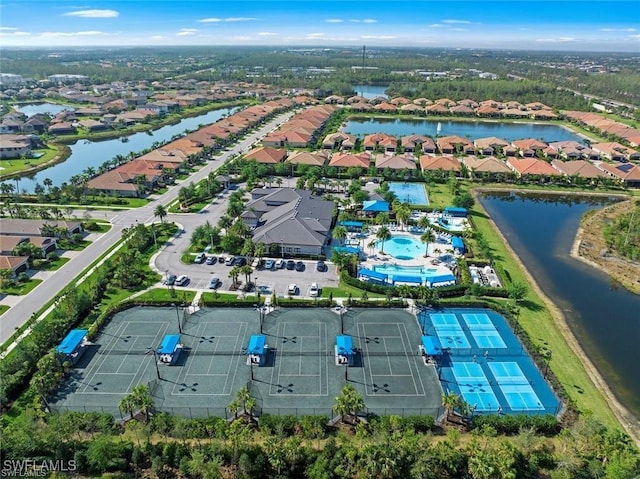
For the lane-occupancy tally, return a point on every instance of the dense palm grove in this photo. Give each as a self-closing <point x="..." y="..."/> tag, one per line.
<point x="297" y="447"/>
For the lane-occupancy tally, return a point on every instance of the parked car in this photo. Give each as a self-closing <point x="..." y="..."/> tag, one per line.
<point x="291" y="264"/>
<point x="239" y="261"/>
<point x="200" y="257"/>
<point x="299" y="266"/>
<point x="229" y="261"/>
<point x="221" y="259"/>
<point x="292" y="290"/>
<point x="269" y="264"/>
<point x="314" y="290"/>
<point x="214" y="282"/>
<point x="321" y="266"/>
<point x="171" y="280"/>
<point x="211" y="260"/>
<point x="182" y="280"/>
<point x="280" y="264"/>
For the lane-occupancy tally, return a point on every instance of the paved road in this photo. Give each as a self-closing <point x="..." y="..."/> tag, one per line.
<point x="31" y="303"/>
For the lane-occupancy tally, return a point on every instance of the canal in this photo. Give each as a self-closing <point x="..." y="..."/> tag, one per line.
<point x="604" y="317"/>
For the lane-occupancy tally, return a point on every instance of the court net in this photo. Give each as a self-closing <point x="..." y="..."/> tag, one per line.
<point x="243" y="352"/>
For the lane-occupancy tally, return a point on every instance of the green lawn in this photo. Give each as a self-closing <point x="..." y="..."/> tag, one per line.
<point x="52" y="265"/>
<point x="344" y="290"/>
<point x="167" y="294"/>
<point x="3" y="308"/>
<point x="439" y="196"/>
<point x="20" y="289"/>
<point x="536" y="319"/>
<point x="18" y="164"/>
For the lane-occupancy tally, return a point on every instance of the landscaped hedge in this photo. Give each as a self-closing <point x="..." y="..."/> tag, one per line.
<point x="393" y="303"/>
<point x="515" y="423"/>
<point x="417" y="424"/>
<point x="304" y="303"/>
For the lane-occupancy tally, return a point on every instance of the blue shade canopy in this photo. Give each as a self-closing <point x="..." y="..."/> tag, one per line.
<point x="443" y="278"/>
<point x="71" y="341"/>
<point x="407" y="279"/>
<point x="457" y="242"/>
<point x="345" y="345"/>
<point x="431" y="345"/>
<point x="372" y="274"/>
<point x="351" y="224"/>
<point x="169" y="343"/>
<point x="375" y="206"/>
<point x="455" y="211"/>
<point x="256" y="344"/>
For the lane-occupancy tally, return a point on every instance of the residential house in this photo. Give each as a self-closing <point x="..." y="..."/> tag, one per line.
<point x="14" y="146"/>
<point x="339" y="140"/>
<point x="382" y="141"/>
<point x="487" y="168"/>
<point x="581" y="168"/>
<point x="439" y="163"/>
<point x="307" y="158"/>
<point x="449" y="145"/>
<point x="349" y="160"/>
<point x="24" y="227"/>
<point x="490" y="146"/>
<point x="267" y="155"/>
<point x="616" y="152"/>
<point x="410" y="143"/>
<point x="405" y="161"/>
<point x="627" y="173"/>
<point x="530" y="147"/>
<point x="531" y="167"/>
<point x="17" y="264"/>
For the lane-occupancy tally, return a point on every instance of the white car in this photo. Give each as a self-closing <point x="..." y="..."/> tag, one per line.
<point x="293" y="289"/>
<point x="182" y="280"/>
<point x="314" y="290"/>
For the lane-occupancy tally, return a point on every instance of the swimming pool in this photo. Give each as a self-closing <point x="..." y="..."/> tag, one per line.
<point x="412" y="193"/>
<point x="394" y="268"/>
<point x="403" y="246"/>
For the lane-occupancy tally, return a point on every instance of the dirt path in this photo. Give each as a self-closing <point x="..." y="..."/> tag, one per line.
<point x="589" y="245"/>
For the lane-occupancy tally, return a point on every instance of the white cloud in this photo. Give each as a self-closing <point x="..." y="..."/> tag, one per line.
<point x="366" y="20"/>
<point x="14" y="33"/>
<point x="378" y="37"/>
<point x="617" y="29"/>
<point x="89" y="33"/>
<point x="266" y="34"/>
<point x="637" y="37"/>
<point x="334" y="20"/>
<point x="92" y="14"/>
<point x="465" y="22"/>
<point x="185" y="32"/>
<point x="312" y="36"/>
<point x="158" y="37"/>
<point x="226" y="20"/>
<point x="555" y="40"/>
<point x="436" y="25"/>
<point x="8" y="29"/>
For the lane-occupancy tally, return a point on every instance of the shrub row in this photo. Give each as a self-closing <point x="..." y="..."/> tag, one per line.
<point x="515" y="423"/>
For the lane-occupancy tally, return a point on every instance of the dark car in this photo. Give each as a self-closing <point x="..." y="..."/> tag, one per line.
<point x="171" y="280"/>
<point x="321" y="266"/>
<point x="239" y="261"/>
<point x="211" y="260"/>
<point x="299" y="266"/>
<point x="291" y="264"/>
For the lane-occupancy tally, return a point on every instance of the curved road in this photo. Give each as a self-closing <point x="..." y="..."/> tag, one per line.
<point x="36" y="299"/>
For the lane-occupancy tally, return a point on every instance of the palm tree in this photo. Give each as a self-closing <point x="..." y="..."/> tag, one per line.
<point x="127" y="404"/>
<point x="234" y="273"/>
<point x="450" y="401"/>
<point x="259" y="250"/>
<point x="340" y="233"/>
<point x="383" y="235"/>
<point x="403" y="213"/>
<point x="427" y="237"/>
<point x="234" y="408"/>
<point x="382" y="218"/>
<point x="142" y="398"/>
<point x="161" y="212"/>
<point x="246" y="270"/>
<point x="349" y="403"/>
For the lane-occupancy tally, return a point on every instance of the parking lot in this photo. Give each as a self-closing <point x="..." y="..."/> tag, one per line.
<point x="277" y="279"/>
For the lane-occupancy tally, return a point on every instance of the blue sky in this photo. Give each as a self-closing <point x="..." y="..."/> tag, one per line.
<point x="512" y="24"/>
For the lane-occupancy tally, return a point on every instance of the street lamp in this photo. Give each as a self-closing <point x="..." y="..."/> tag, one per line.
<point x="211" y="240"/>
<point x="177" y="317"/>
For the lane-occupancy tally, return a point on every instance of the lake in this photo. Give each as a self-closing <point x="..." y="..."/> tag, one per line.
<point x="94" y="153"/>
<point x="369" y="91"/>
<point x="604" y="317"/>
<point x="470" y="129"/>
<point x="31" y="109"/>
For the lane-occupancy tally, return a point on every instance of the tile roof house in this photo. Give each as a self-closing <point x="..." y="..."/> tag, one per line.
<point x="307" y="158"/>
<point x="439" y="163"/>
<point x="17" y="264"/>
<point x="628" y="173"/>
<point x="616" y="152"/>
<point x="581" y="168"/>
<point x="263" y="154"/>
<point x="410" y="143"/>
<point x="294" y="219"/>
<point x="396" y="162"/>
<point x="490" y="145"/>
<point x="529" y="147"/>
<point x="23" y="227"/>
<point x="449" y="145"/>
<point x="339" y="140"/>
<point x="488" y="166"/>
<point x="388" y="143"/>
<point x="348" y="160"/>
<point x="531" y="166"/>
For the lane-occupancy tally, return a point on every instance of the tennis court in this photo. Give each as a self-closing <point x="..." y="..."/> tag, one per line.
<point x="474" y="387"/>
<point x="299" y="374"/>
<point x="483" y="330"/>
<point x="449" y="331"/>
<point x="492" y="371"/>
